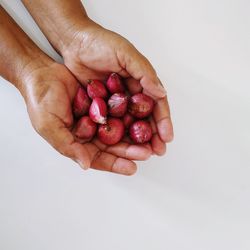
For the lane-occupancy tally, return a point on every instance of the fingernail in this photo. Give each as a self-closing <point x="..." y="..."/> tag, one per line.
<point x="83" y="166"/>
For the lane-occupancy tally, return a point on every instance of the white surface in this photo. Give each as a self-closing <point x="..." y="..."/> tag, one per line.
<point x="195" y="198"/>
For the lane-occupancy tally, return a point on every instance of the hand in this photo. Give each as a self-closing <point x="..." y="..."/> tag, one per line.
<point x="48" y="91"/>
<point x="95" y="52"/>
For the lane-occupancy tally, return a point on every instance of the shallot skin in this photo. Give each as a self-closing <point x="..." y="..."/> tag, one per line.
<point x="96" y="88"/>
<point x="140" y="132"/>
<point x="118" y="104"/>
<point x="98" y="111"/>
<point x="112" y="132"/>
<point x="141" y="105"/>
<point x="85" y="128"/>
<point x="112" y="112"/>
<point x="128" y="119"/>
<point x="114" y="84"/>
<point x="81" y="103"/>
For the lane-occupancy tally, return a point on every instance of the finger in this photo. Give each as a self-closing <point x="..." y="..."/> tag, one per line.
<point x="55" y="132"/>
<point x="133" y="86"/>
<point x="149" y="147"/>
<point x="128" y="140"/>
<point x="161" y="114"/>
<point x="162" y="117"/>
<point x="126" y="150"/>
<point x="158" y="146"/>
<point x="108" y="162"/>
<point x="140" y="69"/>
<point x="131" y="152"/>
<point x="123" y="73"/>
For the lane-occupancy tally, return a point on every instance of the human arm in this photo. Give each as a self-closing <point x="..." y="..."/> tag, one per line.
<point x="48" y="89"/>
<point x="91" y="51"/>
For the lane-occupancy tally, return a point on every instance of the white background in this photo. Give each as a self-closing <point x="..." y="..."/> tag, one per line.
<point x="197" y="197"/>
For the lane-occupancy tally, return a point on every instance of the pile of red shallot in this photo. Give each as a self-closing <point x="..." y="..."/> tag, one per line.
<point x="108" y="111"/>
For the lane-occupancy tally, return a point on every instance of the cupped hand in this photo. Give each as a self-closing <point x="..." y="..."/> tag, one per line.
<point x="95" y="52"/>
<point x="48" y="92"/>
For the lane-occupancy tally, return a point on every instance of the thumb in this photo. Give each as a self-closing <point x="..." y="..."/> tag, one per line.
<point x="141" y="69"/>
<point x="54" y="132"/>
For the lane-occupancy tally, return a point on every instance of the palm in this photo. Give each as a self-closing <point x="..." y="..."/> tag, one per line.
<point x="100" y="52"/>
<point x="95" y="58"/>
<point x="49" y="106"/>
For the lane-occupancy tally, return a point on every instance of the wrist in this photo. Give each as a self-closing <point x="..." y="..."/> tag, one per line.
<point x="74" y="30"/>
<point x="78" y="39"/>
<point x="58" y="19"/>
